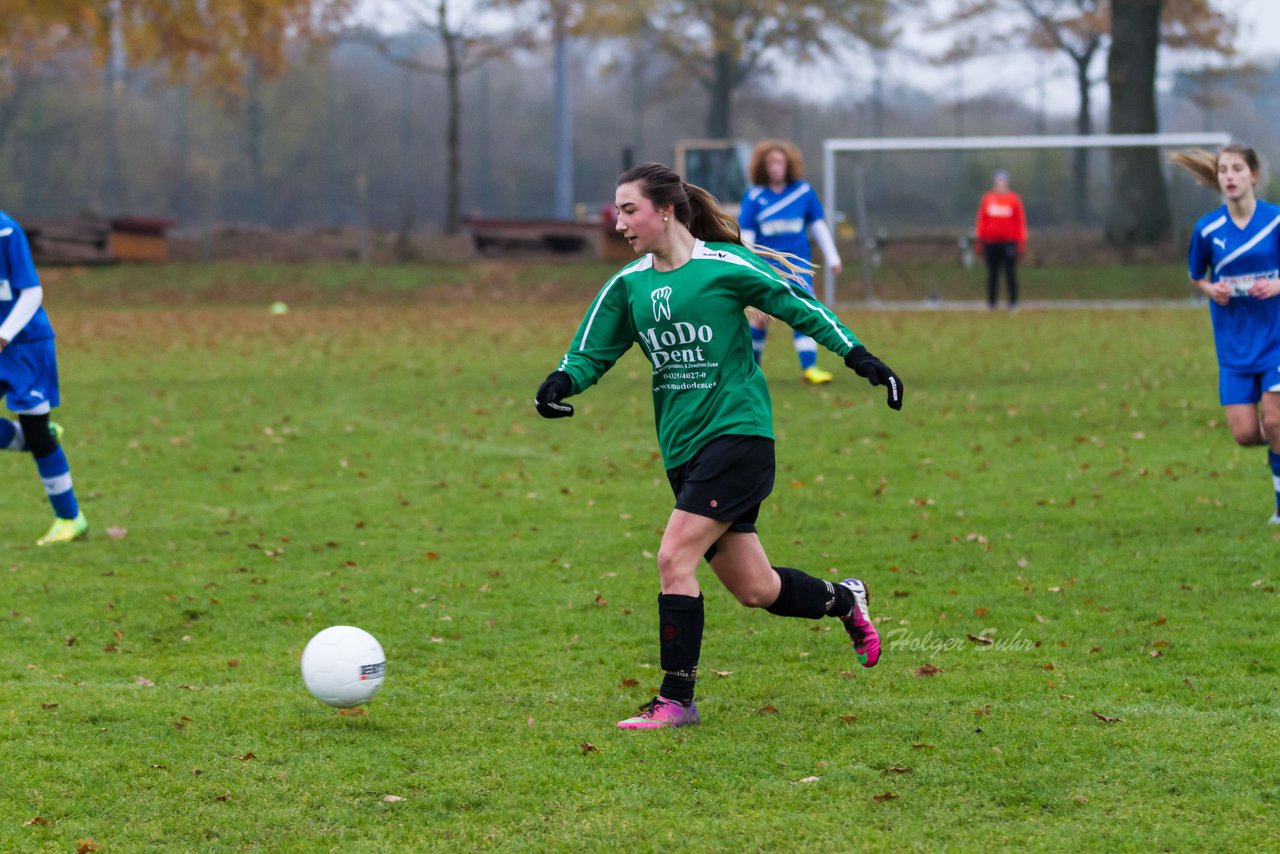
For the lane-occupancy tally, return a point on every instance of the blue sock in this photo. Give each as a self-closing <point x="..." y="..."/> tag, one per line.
<point x="757" y="342"/>
<point x="11" y="438"/>
<point x="807" y="350"/>
<point x="1274" y="459"/>
<point x="55" y="474"/>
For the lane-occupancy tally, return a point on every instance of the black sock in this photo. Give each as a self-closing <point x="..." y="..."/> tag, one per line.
<point x="680" y="621"/>
<point x="802" y="595"/>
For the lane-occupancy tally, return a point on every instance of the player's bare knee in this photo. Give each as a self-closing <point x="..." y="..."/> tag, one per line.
<point x="1270" y="428"/>
<point x="1248" y="438"/>
<point x="673" y="568"/>
<point x="755" y="596"/>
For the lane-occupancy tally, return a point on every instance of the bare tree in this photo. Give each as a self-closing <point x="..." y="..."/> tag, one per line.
<point x="1082" y="30"/>
<point x="465" y="36"/>
<point x="722" y="44"/>
<point x="1139" y="210"/>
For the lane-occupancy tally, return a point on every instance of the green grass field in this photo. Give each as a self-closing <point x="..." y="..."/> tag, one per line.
<point x="1061" y="484"/>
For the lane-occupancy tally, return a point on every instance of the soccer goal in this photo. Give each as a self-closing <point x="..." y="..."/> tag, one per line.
<point x="943" y="179"/>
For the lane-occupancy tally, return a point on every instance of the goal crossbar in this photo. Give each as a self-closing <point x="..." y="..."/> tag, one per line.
<point x="832" y="147"/>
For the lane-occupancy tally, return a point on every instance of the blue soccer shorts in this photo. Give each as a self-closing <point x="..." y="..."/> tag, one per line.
<point x="29" y="377"/>
<point x="1235" y="387"/>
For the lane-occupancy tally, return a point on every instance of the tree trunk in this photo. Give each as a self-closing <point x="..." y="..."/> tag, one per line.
<point x="254" y="130"/>
<point x="404" y="233"/>
<point x="564" y="125"/>
<point x="1138" y="213"/>
<point x="110" y="140"/>
<point x="720" y="118"/>
<point x="453" y="145"/>
<point x="1084" y="127"/>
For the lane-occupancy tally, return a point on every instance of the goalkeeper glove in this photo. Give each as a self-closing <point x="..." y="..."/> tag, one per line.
<point x="877" y="373"/>
<point x="554" y="389"/>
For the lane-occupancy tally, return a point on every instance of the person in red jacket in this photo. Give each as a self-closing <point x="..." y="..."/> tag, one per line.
<point x="1002" y="230"/>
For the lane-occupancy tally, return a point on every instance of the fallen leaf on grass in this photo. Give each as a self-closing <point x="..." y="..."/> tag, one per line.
<point x="353" y="713"/>
<point x="1156" y="653"/>
<point x="247" y="756"/>
<point x="86" y="846"/>
<point x="723" y="673"/>
<point x="224" y="797"/>
<point x="235" y="662"/>
<point x="115" y="532"/>
<point x="767" y="709"/>
<point x="982" y="639"/>
<point x="1080" y="799"/>
<point x="48" y="706"/>
<point x="1103" y="718"/>
<point x="38" y="821"/>
<point x="884" y="796"/>
<point x="587" y="747"/>
<point x="808" y="779"/>
<point x="848" y="718"/>
<point x="393" y="799"/>
<point x="895" y="769"/>
<point x="928" y="669"/>
<point x="143" y="681"/>
<point x="922" y="746"/>
<point x="1160" y="620"/>
<point x="628" y="683"/>
<point x="983" y="711"/>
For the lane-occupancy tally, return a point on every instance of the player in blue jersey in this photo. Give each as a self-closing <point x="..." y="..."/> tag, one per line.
<point x="29" y="381"/>
<point x="781" y="212"/>
<point x="1234" y="260"/>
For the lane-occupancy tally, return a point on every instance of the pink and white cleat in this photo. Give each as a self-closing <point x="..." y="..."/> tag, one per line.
<point x="661" y="713"/>
<point x="866" y="640"/>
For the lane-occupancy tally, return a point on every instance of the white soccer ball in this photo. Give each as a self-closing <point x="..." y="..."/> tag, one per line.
<point x="343" y="666"/>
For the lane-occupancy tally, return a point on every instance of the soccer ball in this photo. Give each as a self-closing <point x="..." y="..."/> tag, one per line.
<point x="343" y="666"/>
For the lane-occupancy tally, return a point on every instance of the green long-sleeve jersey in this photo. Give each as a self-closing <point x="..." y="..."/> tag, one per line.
<point x="691" y="326"/>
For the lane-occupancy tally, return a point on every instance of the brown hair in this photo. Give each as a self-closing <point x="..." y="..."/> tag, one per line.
<point x="795" y="161"/>
<point x="1203" y="165"/>
<point x="700" y="212"/>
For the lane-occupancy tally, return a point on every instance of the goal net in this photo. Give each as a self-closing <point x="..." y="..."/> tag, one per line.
<point x="903" y="211"/>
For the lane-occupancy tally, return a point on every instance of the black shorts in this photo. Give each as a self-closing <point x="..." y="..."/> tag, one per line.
<point x="726" y="480"/>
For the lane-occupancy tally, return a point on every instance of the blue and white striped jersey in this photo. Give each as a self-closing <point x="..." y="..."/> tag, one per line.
<point x="1246" y="331"/>
<point x="17" y="272"/>
<point x="780" y="221"/>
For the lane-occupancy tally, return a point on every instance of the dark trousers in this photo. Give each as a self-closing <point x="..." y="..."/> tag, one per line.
<point x="1001" y="256"/>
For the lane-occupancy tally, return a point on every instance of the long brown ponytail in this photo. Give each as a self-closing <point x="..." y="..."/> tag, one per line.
<point x="700" y="212"/>
<point x="1203" y="165"/>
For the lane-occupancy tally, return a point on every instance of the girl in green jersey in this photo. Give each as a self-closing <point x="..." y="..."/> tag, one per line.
<point x="683" y="302"/>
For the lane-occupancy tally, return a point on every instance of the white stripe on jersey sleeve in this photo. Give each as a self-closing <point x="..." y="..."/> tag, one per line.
<point x="701" y="252"/>
<point x="1213" y="226"/>
<point x="1249" y="244"/>
<point x="5" y="232"/>
<point x="784" y="201"/>
<point x="634" y="267"/>
<point x="23" y="309"/>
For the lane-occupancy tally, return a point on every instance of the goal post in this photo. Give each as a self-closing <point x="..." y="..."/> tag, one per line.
<point x="831" y="148"/>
